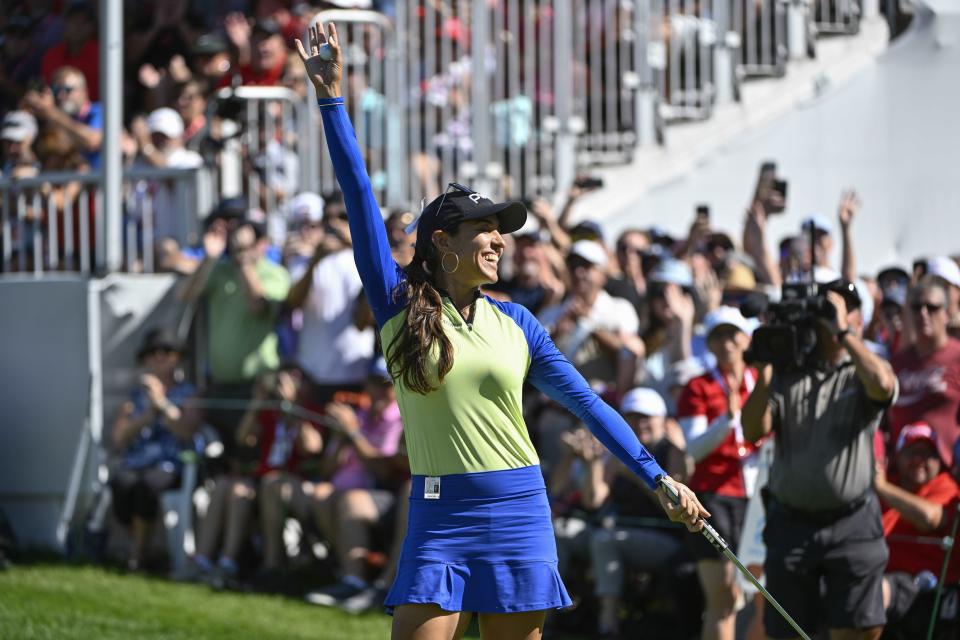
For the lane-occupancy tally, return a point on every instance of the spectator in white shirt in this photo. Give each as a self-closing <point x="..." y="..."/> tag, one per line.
<point x="161" y="145"/>
<point x="333" y="352"/>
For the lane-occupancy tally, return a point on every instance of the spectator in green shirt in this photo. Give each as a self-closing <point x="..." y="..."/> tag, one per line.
<point x="243" y="291"/>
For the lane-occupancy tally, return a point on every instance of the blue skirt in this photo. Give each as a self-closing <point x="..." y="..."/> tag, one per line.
<point x="484" y="545"/>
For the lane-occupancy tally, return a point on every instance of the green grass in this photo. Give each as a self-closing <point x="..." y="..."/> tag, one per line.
<point x="62" y="602"/>
<point x="51" y="601"/>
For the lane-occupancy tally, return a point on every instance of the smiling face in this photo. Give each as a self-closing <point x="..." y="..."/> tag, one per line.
<point x="479" y="246"/>
<point x="917" y="464"/>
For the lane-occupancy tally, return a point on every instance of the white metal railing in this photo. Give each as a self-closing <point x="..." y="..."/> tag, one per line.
<point x="56" y="221"/>
<point x="762" y="29"/>
<point x="837" y="16"/>
<point x="512" y="97"/>
<point x="269" y="148"/>
<point x="685" y="59"/>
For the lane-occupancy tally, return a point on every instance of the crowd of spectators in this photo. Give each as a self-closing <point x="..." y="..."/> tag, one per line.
<point x="297" y="395"/>
<point x="660" y="326"/>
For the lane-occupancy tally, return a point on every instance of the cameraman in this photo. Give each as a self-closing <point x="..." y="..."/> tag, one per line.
<point x="823" y="518"/>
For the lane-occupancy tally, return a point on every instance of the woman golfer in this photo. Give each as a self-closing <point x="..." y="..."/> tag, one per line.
<point x="479" y="537"/>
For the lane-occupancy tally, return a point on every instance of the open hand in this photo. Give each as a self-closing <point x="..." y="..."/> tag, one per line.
<point x="325" y="74"/>
<point x="849" y="205"/>
<point x="238" y="29"/>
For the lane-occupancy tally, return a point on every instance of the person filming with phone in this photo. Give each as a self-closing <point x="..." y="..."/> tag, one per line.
<point x="822" y="401"/>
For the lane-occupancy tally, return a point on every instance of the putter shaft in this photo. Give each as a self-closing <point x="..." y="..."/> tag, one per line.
<point x="721" y="545"/>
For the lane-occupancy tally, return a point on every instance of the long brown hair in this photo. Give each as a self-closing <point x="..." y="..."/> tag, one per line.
<point x="408" y="354"/>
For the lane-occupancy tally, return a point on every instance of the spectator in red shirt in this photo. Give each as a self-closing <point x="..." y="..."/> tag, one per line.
<point x="928" y="371"/>
<point x="919" y="499"/>
<point x="709" y="411"/>
<point x="261" y="53"/>
<point x="282" y="440"/>
<point x="79" y="48"/>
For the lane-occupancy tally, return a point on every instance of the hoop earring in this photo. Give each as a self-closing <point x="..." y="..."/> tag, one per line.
<point x="443" y="262"/>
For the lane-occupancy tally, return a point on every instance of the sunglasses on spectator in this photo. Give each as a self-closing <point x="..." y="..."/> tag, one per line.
<point x="929" y="306"/>
<point x="575" y="262"/>
<point x="63" y="88"/>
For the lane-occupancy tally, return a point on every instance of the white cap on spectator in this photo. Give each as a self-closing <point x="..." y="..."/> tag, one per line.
<point x="823" y="275"/>
<point x="644" y="401"/>
<point x="946" y="268"/>
<point x="819" y="222"/>
<point x="351" y="4"/>
<point x="165" y="121"/>
<point x="18" y="126"/>
<point x="726" y="316"/>
<point x="672" y="271"/>
<point x="305" y="207"/>
<point x="591" y="251"/>
<point x="913" y="432"/>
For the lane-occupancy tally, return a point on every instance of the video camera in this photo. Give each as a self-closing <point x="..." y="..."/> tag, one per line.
<point x="789" y="340"/>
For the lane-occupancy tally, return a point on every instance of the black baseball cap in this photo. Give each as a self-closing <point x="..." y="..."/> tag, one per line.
<point x="159" y="339"/>
<point x="458" y="204"/>
<point x="267" y="26"/>
<point x="847" y="289"/>
<point x="209" y="44"/>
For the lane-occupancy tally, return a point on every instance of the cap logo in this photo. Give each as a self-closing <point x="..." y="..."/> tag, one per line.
<point x="475" y="197"/>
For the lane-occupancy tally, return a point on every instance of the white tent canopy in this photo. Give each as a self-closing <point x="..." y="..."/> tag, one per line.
<point x="893" y="133"/>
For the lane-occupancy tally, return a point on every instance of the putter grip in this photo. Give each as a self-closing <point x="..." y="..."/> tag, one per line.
<point x="711" y="534"/>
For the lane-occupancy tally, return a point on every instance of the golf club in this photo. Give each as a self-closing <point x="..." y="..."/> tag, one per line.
<point x="721" y="545"/>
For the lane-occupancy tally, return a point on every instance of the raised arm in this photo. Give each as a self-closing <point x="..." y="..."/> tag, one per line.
<point x="371" y="249"/>
<point x="849" y="205"/>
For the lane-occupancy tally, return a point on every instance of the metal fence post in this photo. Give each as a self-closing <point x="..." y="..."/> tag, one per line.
<point x="111" y="71"/>
<point x="396" y="176"/>
<point x="723" y="56"/>
<point x="646" y="105"/>
<point x="480" y="94"/>
<point x="797" y="17"/>
<point x="565" y="138"/>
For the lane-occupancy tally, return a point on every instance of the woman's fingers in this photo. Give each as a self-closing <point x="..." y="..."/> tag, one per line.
<point x="300" y="50"/>
<point x="703" y="512"/>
